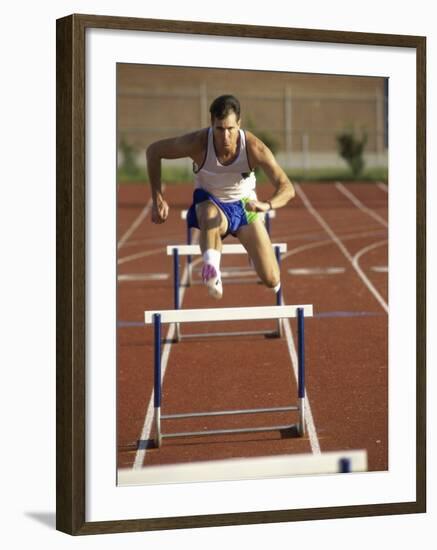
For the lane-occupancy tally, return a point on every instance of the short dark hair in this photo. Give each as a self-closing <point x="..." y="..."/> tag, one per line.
<point x="223" y="105"/>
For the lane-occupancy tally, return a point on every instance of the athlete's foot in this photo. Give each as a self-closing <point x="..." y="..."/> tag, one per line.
<point x="213" y="281"/>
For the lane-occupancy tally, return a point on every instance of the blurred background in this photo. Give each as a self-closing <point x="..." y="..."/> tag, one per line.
<point x="320" y="127"/>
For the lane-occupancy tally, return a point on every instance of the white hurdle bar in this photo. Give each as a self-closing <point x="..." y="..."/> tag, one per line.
<point x="194" y="250"/>
<point x="238" y="469"/>
<point x="228" y="314"/>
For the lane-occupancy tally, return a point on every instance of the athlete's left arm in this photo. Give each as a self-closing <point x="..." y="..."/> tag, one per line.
<point x="260" y="155"/>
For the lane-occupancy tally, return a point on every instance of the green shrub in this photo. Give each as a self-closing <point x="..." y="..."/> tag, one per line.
<point x="129" y="167"/>
<point x="351" y="150"/>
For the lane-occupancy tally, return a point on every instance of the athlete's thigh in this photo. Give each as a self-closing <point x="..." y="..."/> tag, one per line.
<point x="208" y="210"/>
<point x="256" y="241"/>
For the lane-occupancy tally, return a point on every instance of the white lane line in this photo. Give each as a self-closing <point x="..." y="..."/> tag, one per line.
<point x="139" y="255"/>
<point x="316" y="270"/>
<point x="356" y="264"/>
<point x="380" y="268"/>
<point x="143" y="277"/>
<point x="150" y="412"/>
<point x="326" y="242"/>
<point x="382" y="186"/>
<point x="341" y="246"/>
<point x="138" y="221"/>
<point x="311" y="428"/>
<point x="360" y="205"/>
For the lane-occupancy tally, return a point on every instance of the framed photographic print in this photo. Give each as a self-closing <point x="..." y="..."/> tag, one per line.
<point x="300" y="394"/>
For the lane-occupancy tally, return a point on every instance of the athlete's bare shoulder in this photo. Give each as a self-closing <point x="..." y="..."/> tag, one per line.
<point x="200" y="139"/>
<point x="186" y="145"/>
<point x="257" y="150"/>
<point x="199" y="144"/>
<point x="194" y="142"/>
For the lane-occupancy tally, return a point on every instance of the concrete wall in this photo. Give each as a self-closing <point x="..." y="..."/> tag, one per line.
<point x="301" y="113"/>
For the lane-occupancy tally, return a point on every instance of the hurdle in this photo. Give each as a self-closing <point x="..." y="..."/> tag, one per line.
<point x="238" y="469"/>
<point x="157" y="318"/>
<point x="268" y="216"/>
<point x="184" y="250"/>
<point x="194" y="250"/>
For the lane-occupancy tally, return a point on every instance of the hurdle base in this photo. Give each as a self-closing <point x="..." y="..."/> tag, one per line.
<point x="279" y="428"/>
<point x="231" y="431"/>
<point x="301" y="425"/>
<point x="236" y="411"/>
<point x="158" y="435"/>
<point x="266" y="333"/>
<point x="178" y="335"/>
<point x="279" y="332"/>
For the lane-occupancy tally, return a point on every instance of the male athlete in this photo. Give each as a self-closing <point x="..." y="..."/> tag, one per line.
<point x="224" y="200"/>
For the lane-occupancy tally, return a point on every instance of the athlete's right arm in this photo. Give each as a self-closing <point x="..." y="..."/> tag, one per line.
<point x="172" y="148"/>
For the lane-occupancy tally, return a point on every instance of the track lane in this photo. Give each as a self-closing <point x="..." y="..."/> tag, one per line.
<point x="293" y="222"/>
<point x="347" y="310"/>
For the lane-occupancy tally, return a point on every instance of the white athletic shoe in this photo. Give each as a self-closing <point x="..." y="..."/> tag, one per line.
<point x="212" y="281"/>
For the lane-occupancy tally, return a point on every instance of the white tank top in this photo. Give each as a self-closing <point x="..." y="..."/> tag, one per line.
<point x="228" y="182"/>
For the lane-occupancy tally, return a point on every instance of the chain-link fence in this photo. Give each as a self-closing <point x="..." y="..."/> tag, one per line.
<point x="300" y="124"/>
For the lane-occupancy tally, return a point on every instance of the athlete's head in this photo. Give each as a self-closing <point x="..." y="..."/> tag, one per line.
<point x="223" y="106"/>
<point x="225" y="121"/>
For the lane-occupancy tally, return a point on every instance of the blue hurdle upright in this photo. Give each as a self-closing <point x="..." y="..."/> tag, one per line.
<point x="157" y="318"/>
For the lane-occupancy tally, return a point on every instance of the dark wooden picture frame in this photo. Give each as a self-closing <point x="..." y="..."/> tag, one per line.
<point x="71" y="253"/>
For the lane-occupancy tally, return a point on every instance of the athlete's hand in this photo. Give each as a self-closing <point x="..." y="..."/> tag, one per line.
<point x="160" y="210"/>
<point x="257" y="206"/>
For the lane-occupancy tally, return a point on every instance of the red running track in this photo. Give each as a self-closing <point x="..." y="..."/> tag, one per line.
<point x="337" y="260"/>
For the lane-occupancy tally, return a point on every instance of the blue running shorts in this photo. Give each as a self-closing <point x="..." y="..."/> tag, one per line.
<point x="235" y="212"/>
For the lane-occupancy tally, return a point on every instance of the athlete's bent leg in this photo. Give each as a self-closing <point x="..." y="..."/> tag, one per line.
<point x="213" y="224"/>
<point x="256" y="241"/>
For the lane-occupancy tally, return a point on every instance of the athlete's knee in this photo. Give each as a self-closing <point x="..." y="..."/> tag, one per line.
<point x="272" y="277"/>
<point x="208" y="214"/>
<point x="211" y="218"/>
<point x="272" y="281"/>
<point x="207" y="209"/>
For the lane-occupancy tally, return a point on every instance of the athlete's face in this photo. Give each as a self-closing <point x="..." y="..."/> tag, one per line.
<point x="226" y="132"/>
